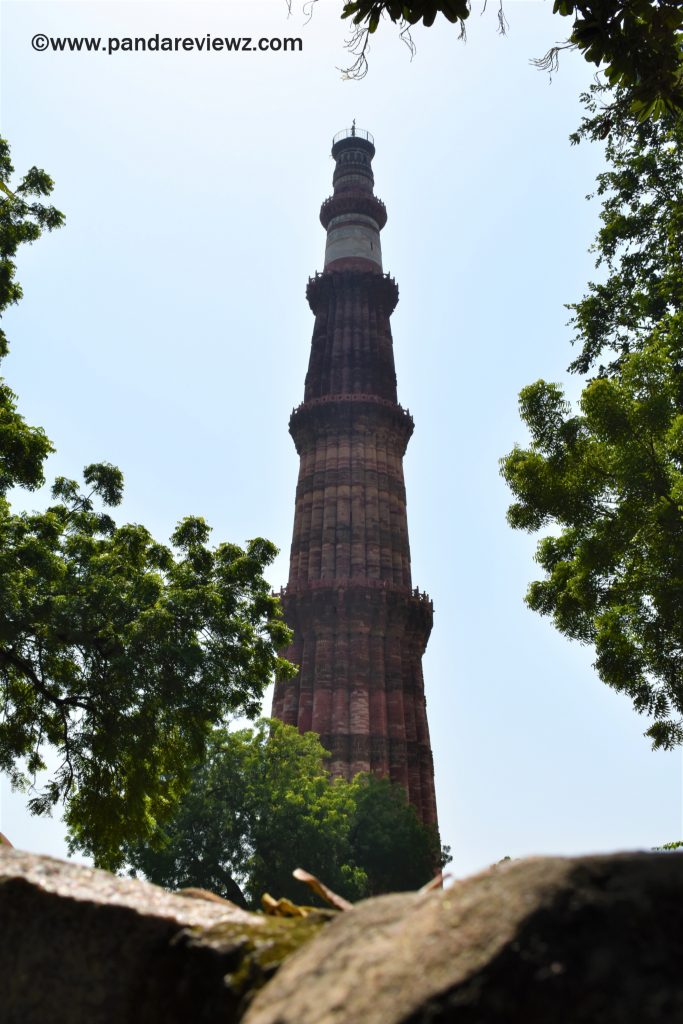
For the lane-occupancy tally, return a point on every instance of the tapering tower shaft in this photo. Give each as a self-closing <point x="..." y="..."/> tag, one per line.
<point x="360" y="629"/>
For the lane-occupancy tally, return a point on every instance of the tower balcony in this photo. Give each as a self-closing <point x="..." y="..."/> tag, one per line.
<point x="364" y="582"/>
<point x="353" y="138"/>
<point x="349" y="203"/>
<point x="380" y="288"/>
<point x="347" y="414"/>
<point x="353" y="133"/>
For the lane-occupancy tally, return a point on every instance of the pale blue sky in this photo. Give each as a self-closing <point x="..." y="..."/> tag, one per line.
<point x="165" y="329"/>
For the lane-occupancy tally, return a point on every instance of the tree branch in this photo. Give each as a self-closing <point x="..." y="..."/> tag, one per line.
<point x="10" y="659"/>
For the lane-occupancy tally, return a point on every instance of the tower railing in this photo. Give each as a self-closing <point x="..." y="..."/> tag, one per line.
<point x="351" y="396"/>
<point x="353" y="133"/>
<point x="344" y="582"/>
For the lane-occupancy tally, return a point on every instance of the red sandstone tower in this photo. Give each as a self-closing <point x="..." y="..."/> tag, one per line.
<point x="360" y="629"/>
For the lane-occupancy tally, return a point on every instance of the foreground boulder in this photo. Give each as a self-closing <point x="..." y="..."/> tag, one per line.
<point x="81" y="946"/>
<point x="595" y="940"/>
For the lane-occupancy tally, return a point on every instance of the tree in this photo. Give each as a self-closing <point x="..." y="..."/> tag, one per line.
<point x="23" y="218"/>
<point x="609" y="477"/>
<point x="116" y="650"/>
<point x="396" y="851"/>
<point x="639" y="243"/>
<point x="637" y="42"/>
<point x="262" y="804"/>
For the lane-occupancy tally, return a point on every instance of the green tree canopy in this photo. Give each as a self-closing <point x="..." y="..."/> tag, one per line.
<point x="638" y="247"/>
<point x="23" y="218"/>
<point x="262" y="804"/>
<point x="609" y="477"/>
<point x="638" y="43"/>
<point x="119" y="652"/>
<point x="388" y="840"/>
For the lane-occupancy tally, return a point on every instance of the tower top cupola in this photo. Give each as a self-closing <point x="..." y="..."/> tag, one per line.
<point x="353" y="150"/>
<point x="353" y="216"/>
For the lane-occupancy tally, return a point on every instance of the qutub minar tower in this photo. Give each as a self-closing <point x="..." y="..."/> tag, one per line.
<point x="360" y="629"/>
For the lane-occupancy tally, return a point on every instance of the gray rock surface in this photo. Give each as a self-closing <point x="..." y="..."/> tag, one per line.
<point x="593" y="940"/>
<point x="81" y="945"/>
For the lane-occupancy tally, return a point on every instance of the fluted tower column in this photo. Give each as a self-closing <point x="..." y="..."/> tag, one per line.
<point x="360" y="628"/>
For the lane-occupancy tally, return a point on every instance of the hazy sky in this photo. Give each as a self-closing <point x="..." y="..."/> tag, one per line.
<point x="165" y="329"/>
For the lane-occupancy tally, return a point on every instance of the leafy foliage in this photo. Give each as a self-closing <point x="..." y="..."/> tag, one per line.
<point x="637" y="43"/>
<point x="638" y="246"/>
<point x="388" y="839"/>
<point x="262" y="804"/>
<point x="370" y="12"/>
<point x="23" y="218"/>
<point x="120" y="652"/>
<point x="609" y="478"/>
